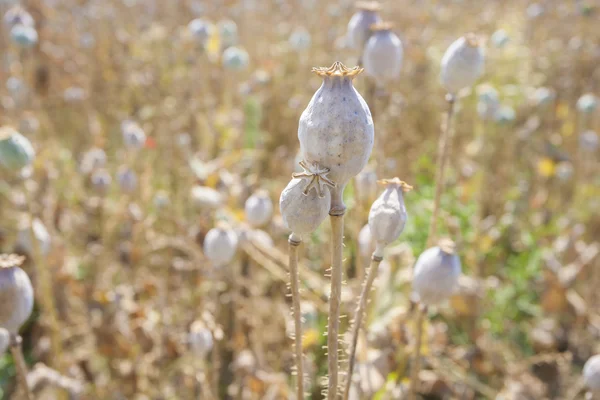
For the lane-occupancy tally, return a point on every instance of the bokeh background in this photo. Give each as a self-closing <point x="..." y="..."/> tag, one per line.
<point x="147" y="133"/>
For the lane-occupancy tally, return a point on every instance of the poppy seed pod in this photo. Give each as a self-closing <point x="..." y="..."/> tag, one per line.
<point x="336" y="129"/>
<point x="41" y="235"/>
<point x="220" y="244"/>
<point x="16" y="151"/>
<point x="200" y="30"/>
<point x="591" y="373"/>
<point x="258" y="209"/>
<point x="587" y="103"/>
<point x="228" y="32"/>
<point x="127" y="179"/>
<point x="24" y="35"/>
<point x="462" y="63"/>
<point x="100" y="180"/>
<point x="383" y="54"/>
<point x="436" y="273"/>
<point x="4" y="341"/>
<point x="17" y="15"/>
<point x="235" y="59"/>
<point x="359" y="27"/>
<point x="299" y="39"/>
<point x="133" y="134"/>
<point x="388" y="214"/>
<point x="93" y="159"/>
<point x="200" y="339"/>
<point x="16" y="294"/>
<point x="304" y="209"/>
<point x="365" y="184"/>
<point x="206" y="197"/>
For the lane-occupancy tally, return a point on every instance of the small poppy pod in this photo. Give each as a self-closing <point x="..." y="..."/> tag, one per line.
<point x="388" y="216"/>
<point x="235" y="59"/>
<point x="206" y="197"/>
<point x="259" y="209"/>
<point x="299" y="39"/>
<point x="436" y="273"/>
<point x="17" y="15"/>
<point x="24" y="35"/>
<point x="93" y="159"/>
<point x="587" y="103"/>
<point x="200" y="339"/>
<point x="383" y="54"/>
<point x="359" y="26"/>
<point x="462" y="63"/>
<point x="228" y="32"/>
<point x="134" y="136"/>
<point x="4" y="340"/>
<point x="365" y="184"/>
<point x="201" y="30"/>
<point x="16" y="151"/>
<point x="305" y="201"/>
<point x="127" y="179"/>
<point x="336" y="128"/>
<point x="100" y="180"/>
<point x="591" y="373"/>
<point x="16" y="294"/>
<point x="220" y="244"/>
<point x="41" y="235"/>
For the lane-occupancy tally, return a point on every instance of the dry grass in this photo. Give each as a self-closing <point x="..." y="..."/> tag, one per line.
<point x="127" y="274"/>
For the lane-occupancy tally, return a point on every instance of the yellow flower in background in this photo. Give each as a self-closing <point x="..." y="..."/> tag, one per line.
<point x="213" y="46"/>
<point x="562" y="111"/>
<point x="310" y="338"/>
<point x="546" y="167"/>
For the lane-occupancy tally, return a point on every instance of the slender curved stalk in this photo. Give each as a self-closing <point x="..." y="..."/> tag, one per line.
<point x="45" y="281"/>
<point x="21" y="366"/>
<point x="358" y="316"/>
<point x="444" y="146"/>
<point x="333" y="327"/>
<point x="294" y="242"/>
<point x="416" y="367"/>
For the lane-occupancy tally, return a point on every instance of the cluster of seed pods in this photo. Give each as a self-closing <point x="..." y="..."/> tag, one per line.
<point x="336" y="136"/>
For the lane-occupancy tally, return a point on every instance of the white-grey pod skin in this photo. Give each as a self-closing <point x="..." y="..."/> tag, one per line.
<point x="4" y="340"/>
<point x="16" y="294"/>
<point x="200" y="339"/>
<point x="383" y="54"/>
<point x="302" y="214"/>
<point x="359" y="26"/>
<point x="591" y="373"/>
<point x="258" y="209"/>
<point x="220" y="245"/>
<point x="462" y="64"/>
<point x="436" y="273"/>
<point x="336" y="128"/>
<point x="388" y="216"/>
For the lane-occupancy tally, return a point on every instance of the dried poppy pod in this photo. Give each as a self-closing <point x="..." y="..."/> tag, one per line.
<point x="436" y="273"/>
<point x="591" y="373"/>
<point x="360" y="24"/>
<point x="462" y="64"/>
<point x="200" y="339"/>
<point x="259" y="209"/>
<point x="383" y="54"/>
<point x="16" y="151"/>
<point x="336" y="129"/>
<point x="388" y="214"/>
<point x="220" y="244"/>
<point x="302" y="208"/>
<point x="16" y="293"/>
